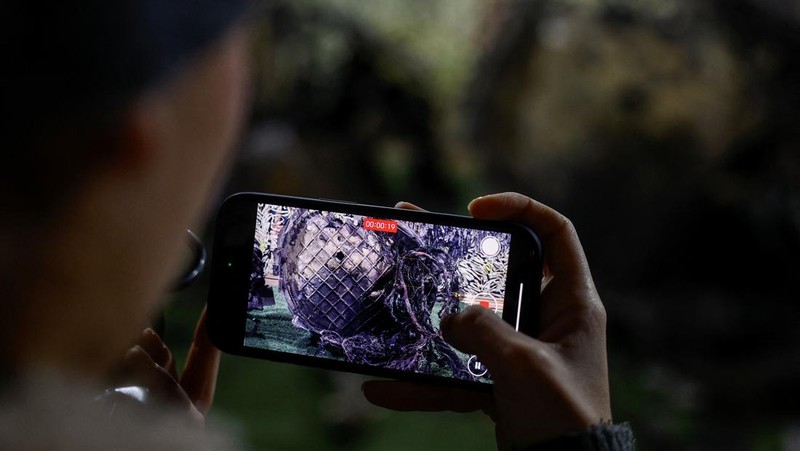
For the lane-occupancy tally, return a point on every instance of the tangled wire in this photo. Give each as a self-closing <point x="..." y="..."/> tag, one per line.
<point x="387" y="323"/>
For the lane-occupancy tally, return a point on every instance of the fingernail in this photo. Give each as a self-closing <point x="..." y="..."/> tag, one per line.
<point x="135" y="352"/>
<point x="472" y="202"/>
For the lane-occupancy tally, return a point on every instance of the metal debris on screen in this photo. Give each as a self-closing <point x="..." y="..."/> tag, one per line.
<point x="370" y="297"/>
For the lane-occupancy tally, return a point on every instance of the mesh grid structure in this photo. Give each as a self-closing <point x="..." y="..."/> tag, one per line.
<point x="333" y="270"/>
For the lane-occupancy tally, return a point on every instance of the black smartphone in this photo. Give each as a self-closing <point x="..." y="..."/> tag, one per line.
<point x="363" y="288"/>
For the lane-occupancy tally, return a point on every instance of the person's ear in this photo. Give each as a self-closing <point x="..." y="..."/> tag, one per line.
<point x="136" y="141"/>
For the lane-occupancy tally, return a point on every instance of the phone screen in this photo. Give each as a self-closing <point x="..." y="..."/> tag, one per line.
<point x="370" y="290"/>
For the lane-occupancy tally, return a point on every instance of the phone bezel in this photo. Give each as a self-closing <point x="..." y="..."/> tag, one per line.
<point x="231" y="260"/>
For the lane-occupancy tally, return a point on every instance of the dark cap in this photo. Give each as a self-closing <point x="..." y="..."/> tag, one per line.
<point x="93" y="56"/>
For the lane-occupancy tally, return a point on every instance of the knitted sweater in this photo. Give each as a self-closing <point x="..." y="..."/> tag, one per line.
<point x="603" y="437"/>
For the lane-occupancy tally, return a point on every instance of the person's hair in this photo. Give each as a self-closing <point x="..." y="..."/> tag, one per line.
<point x="45" y="163"/>
<point x="73" y="69"/>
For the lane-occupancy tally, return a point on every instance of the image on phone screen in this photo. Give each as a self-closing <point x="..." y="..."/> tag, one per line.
<point x="368" y="290"/>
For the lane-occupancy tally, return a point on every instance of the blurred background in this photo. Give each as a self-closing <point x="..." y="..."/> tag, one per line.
<point x="667" y="130"/>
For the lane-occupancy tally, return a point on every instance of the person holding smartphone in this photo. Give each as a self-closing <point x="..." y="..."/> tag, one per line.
<point x="122" y="119"/>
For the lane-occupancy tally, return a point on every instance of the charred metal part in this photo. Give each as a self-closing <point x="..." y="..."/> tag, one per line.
<point x="368" y="296"/>
<point x="331" y="270"/>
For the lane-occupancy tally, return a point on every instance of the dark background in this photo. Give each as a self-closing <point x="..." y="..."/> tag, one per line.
<point x="666" y="130"/>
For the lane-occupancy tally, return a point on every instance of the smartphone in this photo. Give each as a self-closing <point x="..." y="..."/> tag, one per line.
<point x="363" y="288"/>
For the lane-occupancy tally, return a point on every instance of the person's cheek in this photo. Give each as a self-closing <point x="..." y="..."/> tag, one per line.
<point x="227" y="119"/>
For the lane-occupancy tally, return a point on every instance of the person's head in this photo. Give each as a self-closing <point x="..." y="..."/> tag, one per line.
<point x="123" y="116"/>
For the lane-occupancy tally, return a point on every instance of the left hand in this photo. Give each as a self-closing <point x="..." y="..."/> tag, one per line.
<point x="149" y="365"/>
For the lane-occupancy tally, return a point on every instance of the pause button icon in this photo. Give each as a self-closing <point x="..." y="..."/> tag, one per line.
<point x="475" y="367"/>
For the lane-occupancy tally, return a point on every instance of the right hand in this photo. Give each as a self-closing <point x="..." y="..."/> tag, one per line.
<point x="544" y="387"/>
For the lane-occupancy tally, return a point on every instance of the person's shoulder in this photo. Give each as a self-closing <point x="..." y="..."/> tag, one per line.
<point x="602" y="437"/>
<point x="49" y="412"/>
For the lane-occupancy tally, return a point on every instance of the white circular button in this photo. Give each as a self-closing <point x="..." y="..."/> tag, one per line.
<point x="490" y="246"/>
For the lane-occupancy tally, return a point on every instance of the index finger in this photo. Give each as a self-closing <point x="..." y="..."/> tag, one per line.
<point x="407" y="206"/>
<point x="564" y="257"/>
<point x="199" y="378"/>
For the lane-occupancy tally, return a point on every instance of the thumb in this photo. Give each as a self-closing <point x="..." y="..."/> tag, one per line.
<point x="478" y="331"/>
<point x="199" y="378"/>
